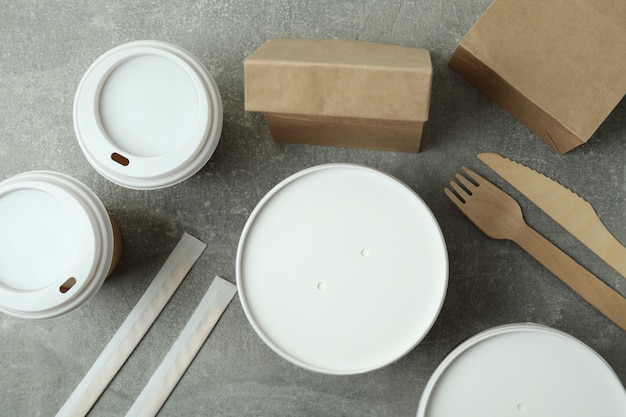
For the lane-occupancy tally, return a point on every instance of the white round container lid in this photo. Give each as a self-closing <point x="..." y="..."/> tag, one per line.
<point x="56" y="243"/>
<point x="522" y="370"/>
<point x="341" y="269"/>
<point x="147" y="115"/>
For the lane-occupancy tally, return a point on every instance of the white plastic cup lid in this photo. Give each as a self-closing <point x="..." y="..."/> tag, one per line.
<point x="56" y="241"/>
<point x="147" y="115"/>
<point x="341" y="269"/>
<point x="521" y="370"/>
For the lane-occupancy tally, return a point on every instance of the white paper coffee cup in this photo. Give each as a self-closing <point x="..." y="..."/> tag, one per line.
<point x="147" y="115"/>
<point x="58" y="244"/>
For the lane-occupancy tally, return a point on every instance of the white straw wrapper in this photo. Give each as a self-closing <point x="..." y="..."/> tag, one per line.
<point x="132" y="330"/>
<point x="184" y="349"/>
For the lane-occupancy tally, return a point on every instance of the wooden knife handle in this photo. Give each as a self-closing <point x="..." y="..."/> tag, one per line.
<point x="608" y="301"/>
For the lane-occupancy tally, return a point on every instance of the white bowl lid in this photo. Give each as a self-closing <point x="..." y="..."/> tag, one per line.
<point x="523" y="370"/>
<point x="341" y="269"/>
<point x="147" y="115"/>
<point x="51" y="245"/>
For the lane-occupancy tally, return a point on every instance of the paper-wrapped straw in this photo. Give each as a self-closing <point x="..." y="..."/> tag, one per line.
<point x="184" y="349"/>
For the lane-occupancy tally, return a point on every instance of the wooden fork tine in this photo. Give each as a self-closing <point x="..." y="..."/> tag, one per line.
<point x="469" y="186"/>
<point x="479" y="180"/>
<point x="460" y="191"/>
<point x="454" y="198"/>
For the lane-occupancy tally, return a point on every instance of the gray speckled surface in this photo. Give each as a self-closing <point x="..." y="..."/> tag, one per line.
<point x="45" y="47"/>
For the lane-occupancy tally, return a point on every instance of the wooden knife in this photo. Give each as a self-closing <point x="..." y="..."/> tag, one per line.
<point x="567" y="208"/>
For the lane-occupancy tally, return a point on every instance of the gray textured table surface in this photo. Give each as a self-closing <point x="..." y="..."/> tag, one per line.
<point x="45" y="47"/>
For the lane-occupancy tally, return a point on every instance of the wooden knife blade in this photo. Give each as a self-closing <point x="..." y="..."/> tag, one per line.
<point x="567" y="208"/>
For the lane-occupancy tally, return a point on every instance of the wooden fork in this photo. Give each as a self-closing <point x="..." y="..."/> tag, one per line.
<point x="499" y="216"/>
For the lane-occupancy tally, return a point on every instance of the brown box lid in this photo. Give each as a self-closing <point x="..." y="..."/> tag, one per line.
<point x="339" y="78"/>
<point x="568" y="57"/>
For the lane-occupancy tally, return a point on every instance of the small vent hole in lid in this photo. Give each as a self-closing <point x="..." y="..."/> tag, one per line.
<point x="120" y="159"/>
<point x="67" y="285"/>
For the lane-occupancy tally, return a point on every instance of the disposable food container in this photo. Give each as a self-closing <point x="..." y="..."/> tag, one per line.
<point x="341" y="269"/>
<point x="521" y="370"/>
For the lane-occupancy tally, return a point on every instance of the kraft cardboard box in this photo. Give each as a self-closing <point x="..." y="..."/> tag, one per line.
<point x="341" y="92"/>
<point x="558" y="66"/>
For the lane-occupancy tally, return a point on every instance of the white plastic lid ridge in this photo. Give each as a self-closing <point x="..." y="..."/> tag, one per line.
<point x="56" y="241"/>
<point x="341" y="269"/>
<point x="523" y="370"/>
<point x="147" y="115"/>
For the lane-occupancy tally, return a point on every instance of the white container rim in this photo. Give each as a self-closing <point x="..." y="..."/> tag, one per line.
<point x="54" y="217"/>
<point x="147" y="115"/>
